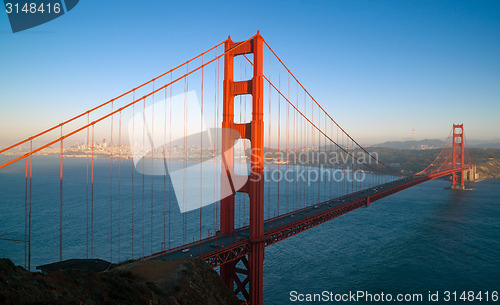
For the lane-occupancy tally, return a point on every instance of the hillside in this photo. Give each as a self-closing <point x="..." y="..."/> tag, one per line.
<point x="184" y="281"/>
<point x="431" y="143"/>
<point x="412" y="161"/>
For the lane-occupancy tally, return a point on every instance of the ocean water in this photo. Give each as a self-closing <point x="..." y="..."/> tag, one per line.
<point x="123" y="214"/>
<point x="423" y="240"/>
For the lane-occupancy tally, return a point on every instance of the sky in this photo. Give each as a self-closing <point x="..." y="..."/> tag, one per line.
<point x="379" y="68"/>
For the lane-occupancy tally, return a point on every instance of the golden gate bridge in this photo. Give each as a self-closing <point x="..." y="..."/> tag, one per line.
<point x="204" y="174"/>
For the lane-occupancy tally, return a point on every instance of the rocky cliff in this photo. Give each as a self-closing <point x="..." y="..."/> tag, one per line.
<point x="489" y="169"/>
<point x="185" y="281"/>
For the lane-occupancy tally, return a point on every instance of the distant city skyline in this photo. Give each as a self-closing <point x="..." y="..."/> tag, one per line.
<point x="380" y="69"/>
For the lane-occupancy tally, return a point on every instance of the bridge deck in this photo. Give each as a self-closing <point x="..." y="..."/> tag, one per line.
<point x="221" y="249"/>
<point x="224" y="248"/>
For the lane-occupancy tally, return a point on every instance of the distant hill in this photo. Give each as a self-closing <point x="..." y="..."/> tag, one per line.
<point x="486" y="145"/>
<point x="433" y="143"/>
<point x="411" y="161"/>
<point x="422" y="144"/>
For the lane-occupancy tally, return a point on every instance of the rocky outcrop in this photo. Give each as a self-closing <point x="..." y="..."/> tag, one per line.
<point x="489" y="169"/>
<point x="184" y="281"/>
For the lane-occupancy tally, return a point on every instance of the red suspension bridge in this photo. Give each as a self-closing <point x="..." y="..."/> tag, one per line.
<point x="217" y="158"/>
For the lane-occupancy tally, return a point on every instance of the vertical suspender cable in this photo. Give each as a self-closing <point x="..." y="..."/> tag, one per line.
<point x="319" y="155"/>
<point x="92" y="197"/>
<point x="26" y="216"/>
<point x="111" y="190"/>
<point x="170" y="160"/>
<point x="152" y="160"/>
<point x="201" y="151"/>
<point x="242" y="119"/>
<point x="294" y="152"/>
<point x="184" y="216"/>
<point x="303" y="143"/>
<point x="132" y="179"/>
<point x="269" y="144"/>
<point x="279" y="134"/>
<point x="217" y="204"/>
<point x="215" y="143"/>
<point x="29" y="212"/>
<point x="337" y="157"/>
<point x="313" y="146"/>
<point x="143" y="166"/>
<point x="61" y="197"/>
<point x="87" y="155"/>
<point x="165" y="173"/>
<point x="352" y="168"/>
<point x="244" y="142"/>
<point x="119" y="181"/>
<point x="248" y="118"/>
<point x="306" y="151"/>
<point x="287" y="143"/>
<point x="331" y="164"/>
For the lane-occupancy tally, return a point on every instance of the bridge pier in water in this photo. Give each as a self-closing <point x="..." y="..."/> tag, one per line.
<point x="469" y="175"/>
<point x="254" y="187"/>
<point x="458" y="160"/>
<point x="457" y="179"/>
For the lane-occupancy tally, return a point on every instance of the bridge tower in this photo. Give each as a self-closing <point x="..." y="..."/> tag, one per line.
<point x="254" y="187"/>
<point x="458" y="156"/>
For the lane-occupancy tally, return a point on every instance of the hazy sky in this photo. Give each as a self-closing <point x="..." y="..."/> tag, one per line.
<point x="380" y="68"/>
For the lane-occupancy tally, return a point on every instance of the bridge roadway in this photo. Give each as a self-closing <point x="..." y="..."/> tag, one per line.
<point x="220" y="249"/>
